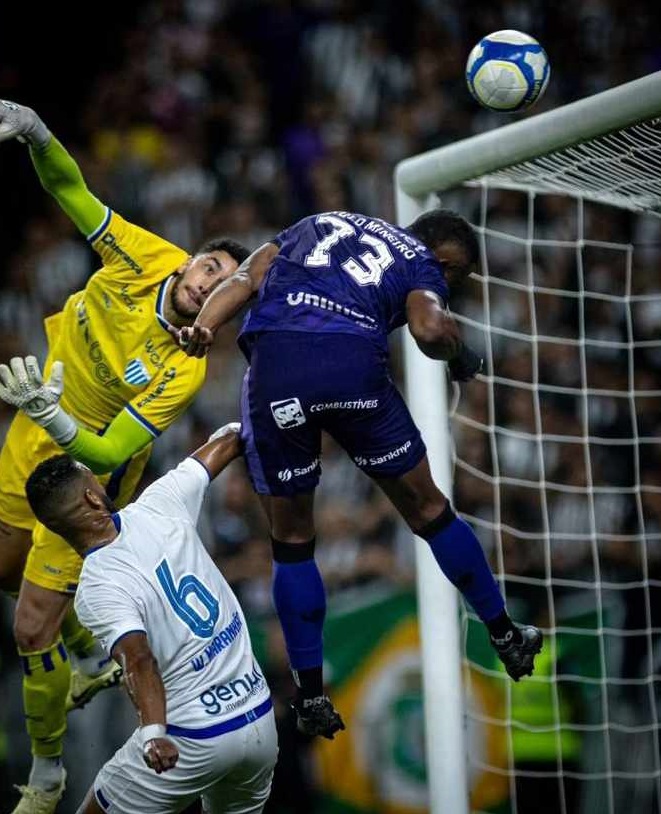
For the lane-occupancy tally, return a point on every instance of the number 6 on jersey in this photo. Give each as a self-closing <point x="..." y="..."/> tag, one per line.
<point x="178" y="596"/>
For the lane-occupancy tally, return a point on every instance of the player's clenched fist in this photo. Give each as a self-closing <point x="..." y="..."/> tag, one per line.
<point x="160" y="754"/>
<point x="194" y="340"/>
<point x="18" y="121"/>
<point x="465" y="365"/>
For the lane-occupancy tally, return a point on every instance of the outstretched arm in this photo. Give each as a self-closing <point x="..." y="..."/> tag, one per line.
<point x="180" y="492"/>
<point x="22" y="386"/>
<point x="58" y="172"/>
<point x="223" y="446"/>
<point x="226" y="301"/>
<point x="61" y="177"/>
<point x="142" y="420"/>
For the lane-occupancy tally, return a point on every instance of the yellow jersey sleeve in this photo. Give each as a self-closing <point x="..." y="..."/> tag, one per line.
<point x="168" y="395"/>
<point x="133" y="254"/>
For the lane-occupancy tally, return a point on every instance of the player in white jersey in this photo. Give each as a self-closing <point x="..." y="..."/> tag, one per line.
<point x="151" y="594"/>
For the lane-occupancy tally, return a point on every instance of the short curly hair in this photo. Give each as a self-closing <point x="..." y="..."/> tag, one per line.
<point x="47" y="483"/>
<point x="440" y="226"/>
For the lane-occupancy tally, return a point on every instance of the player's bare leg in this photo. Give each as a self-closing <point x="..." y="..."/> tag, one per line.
<point x="90" y="805"/>
<point x="300" y="601"/>
<point x="46" y="677"/>
<point x="91" y="669"/>
<point x="14" y="546"/>
<point x="292" y="518"/>
<point x="265" y="501"/>
<point x="459" y="554"/>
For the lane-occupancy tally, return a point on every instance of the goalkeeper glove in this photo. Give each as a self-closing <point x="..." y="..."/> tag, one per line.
<point x="22" y="386"/>
<point x="17" y="121"/>
<point x="465" y="365"/>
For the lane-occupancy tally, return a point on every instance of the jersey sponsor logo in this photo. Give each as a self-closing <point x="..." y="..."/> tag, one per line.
<point x="136" y="372"/>
<point x="227" y="697"/>
<point x="288" y="413"/>
<point x="326" y="304"/>
<point x="110" y="241"/>
<point x="154" y="355"/>
<point x="286" y="475"/>
<point x="102" y="370"/>
<point x="360" y="460"/>
<point x="219" y="643"/>
<point x="169" y="374"/>
<point x="356" y="404"/>
<point x="126" y="298"/>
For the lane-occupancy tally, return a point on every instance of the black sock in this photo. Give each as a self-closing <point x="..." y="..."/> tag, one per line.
<point x="503" y="631"/>
<point x="310" y="682"/>
<point x="292" y="552"/>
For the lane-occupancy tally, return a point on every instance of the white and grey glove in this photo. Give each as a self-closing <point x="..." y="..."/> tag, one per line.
<point x="18" y="121"/>
<point x="23" y="386"/>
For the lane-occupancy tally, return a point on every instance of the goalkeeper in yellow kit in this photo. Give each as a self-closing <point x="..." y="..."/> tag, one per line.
<point x="115" y="380"/>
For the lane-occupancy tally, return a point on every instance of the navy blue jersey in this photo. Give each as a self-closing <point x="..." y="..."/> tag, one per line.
<point x="340" y="272"/>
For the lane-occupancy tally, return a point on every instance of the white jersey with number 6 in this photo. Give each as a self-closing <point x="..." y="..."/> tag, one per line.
<point x="157" y="577"/>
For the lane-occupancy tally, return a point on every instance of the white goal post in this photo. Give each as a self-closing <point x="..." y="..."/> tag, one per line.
<point x="605" y="148"/>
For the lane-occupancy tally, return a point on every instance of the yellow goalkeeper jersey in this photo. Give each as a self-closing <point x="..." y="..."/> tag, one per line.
<point x="113" y="339"/>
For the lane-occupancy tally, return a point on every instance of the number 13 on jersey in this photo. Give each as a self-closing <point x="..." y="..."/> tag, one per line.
<point x="367" y="268"/>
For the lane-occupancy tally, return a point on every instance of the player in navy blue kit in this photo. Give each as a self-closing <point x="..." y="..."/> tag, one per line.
<point x="328" y="292"/>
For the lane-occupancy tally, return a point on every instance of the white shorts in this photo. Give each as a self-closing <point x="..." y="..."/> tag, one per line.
<point x="232" y="773"/>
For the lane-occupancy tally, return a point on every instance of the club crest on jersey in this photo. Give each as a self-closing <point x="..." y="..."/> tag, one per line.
<point x="288" y="413"/>
<point x="136" y="372"/>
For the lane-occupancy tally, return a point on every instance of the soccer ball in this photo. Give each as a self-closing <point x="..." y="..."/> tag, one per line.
<point x="507" y="71"/>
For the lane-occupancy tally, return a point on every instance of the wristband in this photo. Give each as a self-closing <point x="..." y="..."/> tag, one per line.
<point x="61" y="428"/>
<point x="151" y="731"/>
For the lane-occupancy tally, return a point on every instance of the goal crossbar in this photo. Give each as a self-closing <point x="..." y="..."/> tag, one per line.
<point x="521" y="155"/>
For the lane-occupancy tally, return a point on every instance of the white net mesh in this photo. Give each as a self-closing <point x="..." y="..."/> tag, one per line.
<point x="557" y="466"/>
<point x="622" y="168"/>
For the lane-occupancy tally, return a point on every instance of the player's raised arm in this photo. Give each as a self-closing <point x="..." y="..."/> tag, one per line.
<point x="58" y="172"/>
<point x="223" y="446"/>
<point x="226" y="301"/>
<point x="437" y="334"/>
<point x="22" y="386"/>
<point x="143" y="681"/>
<point x="180" y="492"/>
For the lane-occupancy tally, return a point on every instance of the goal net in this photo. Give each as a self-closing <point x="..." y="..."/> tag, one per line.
<point x="556" y="450"/>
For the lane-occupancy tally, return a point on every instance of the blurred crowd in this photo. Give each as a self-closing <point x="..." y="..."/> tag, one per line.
<point x="558" y="467"/>
<point x="237" y="118"/>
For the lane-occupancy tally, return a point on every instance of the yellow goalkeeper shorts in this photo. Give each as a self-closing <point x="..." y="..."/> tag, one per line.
<point x="51" y="563"/>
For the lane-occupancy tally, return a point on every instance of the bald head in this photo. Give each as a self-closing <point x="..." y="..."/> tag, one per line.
<point x="65" y="496"/>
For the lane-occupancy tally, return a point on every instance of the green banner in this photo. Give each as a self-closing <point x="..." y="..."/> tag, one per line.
<point x="373" y="666"/>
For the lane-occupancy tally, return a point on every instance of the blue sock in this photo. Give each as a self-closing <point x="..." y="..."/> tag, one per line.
<point x="300" y="602"/>
<point x="459" y="554"/>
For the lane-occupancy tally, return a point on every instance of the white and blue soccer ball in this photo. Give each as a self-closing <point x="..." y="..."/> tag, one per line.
<point x="507" y="71"/>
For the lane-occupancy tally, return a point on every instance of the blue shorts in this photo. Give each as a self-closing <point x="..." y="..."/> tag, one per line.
<point x="299" y="384"/>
